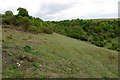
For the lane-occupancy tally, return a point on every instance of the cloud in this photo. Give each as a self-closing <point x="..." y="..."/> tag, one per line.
<point x="51" y="9"/>
<point x="54" y="8"/>
<point x="64" y="9"/>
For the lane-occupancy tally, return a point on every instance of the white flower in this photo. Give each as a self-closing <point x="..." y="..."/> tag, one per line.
<point x="18" y="64"/>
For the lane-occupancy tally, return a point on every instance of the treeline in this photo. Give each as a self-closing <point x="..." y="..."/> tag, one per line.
<point x="23" y="21"/>
<point x="98" y="32"/>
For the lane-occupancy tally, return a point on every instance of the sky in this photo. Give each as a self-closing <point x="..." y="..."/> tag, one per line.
<point x="55" y="10"/>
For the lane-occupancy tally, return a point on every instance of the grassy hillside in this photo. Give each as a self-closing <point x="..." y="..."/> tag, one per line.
<point x="43" y="55"/>
<point x="96" y="31"/>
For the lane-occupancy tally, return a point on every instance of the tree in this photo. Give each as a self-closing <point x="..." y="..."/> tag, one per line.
<point x="8" y="13"/>
<point x="34" y="29"/>
<point x="9" y="18"/>
<point x="22" y="12"/>
<point x="25" y="22"/>
<point x="37" y="22"/>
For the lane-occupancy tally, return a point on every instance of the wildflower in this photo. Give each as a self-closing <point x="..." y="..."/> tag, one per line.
<point x="18" y="64"/>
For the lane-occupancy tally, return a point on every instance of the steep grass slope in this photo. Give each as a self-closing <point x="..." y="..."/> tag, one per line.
<point x="55" y="56"/>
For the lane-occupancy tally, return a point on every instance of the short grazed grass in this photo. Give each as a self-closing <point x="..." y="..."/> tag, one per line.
<point x="55" y="56"/>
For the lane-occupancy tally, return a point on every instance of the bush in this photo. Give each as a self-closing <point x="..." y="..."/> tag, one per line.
<point x="47" y="30"/>
<point x="8" y="18"/>
<point x="37" y="22"/>
<point x="99" y="43"/>
<point x="115" y="47"/>
<point x="78" y="36"/>
<point x="18" y="21"/>
<point x="25" y="22"/>
<point x="34" y="29"/>
<point x="74" y="35"/>
<point x="83" y="38"/>
<point x="109" y="40"/>
<point x="112" y="35"/>
<point x="96" y="38"/>
<point x="118" y="49"/>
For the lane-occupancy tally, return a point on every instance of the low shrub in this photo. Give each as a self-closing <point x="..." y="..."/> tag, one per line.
<point x="34" y="29"/>
<point x="27" y="48"/>
<point x="109" y="40"/>
<point x="5" y="47"/>
<point x="74" y="35"/>
<point x="47" y="30"/>
<point x="24" y="22"/>
<point x="35" y="64"/>
<point x="115" y="47"/>
<point x="3" y="50"/>
<point x="99" y="43"/>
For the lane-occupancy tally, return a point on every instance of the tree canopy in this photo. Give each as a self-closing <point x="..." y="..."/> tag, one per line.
<point x="22" y="12"/>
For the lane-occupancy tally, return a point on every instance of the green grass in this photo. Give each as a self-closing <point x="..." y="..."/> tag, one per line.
<point x="55" y="56"/>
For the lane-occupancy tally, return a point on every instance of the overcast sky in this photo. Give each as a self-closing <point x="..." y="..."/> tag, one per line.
<point x="64" y="9"/>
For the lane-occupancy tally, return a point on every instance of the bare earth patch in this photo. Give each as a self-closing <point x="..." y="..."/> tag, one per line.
<point x="34" y="41"/>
